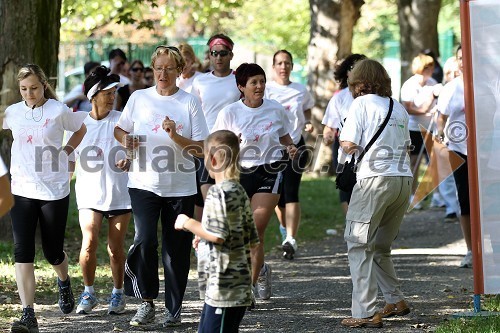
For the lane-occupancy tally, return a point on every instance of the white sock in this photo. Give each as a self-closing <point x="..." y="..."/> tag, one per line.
<point x="90" y="289"/>
<point x="117" y="291"/>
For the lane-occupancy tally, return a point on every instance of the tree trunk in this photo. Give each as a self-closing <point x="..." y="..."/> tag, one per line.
<point x="29" y="33"/>
<point x="418" y="28"/>
<point x="332" y="25"/>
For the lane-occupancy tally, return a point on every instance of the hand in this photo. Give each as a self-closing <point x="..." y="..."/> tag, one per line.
<point x="437" y="90"/>
<point x="169" y="126"/>
<point x="180" y="221"/>
<point x="123" y="164"/>
<point x="291" y="150"/>
<point x="309" y="128"/>
<point x="196" y="241"/>
<point x="131" y="141"/>
<point x="328" y="138"/>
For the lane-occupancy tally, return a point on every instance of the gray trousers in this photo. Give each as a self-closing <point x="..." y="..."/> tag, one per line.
<point x="376" y="210"/>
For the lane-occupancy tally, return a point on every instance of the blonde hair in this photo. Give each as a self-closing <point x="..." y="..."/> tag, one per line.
<point x="421" y="62"/>
<point x="172" y="52"/>
<point x="369" y="77"/>
<point x="187" y="50"/>
<point x="224" y="145"/>
<point x="32" y="69"/>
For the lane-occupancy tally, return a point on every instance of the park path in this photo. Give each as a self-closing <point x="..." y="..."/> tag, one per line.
<point x="312" y="292"/>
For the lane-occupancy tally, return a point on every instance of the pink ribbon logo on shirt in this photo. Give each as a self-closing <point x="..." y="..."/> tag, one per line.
<point x="155" y="129"/>
<point x="179" y="128"/>
<point x="99" y="152"/>
<point x="30" y="139"/>
<point x="268" y="127"/>
<point x="257" y="137"/>
<point x="46" y="122"/>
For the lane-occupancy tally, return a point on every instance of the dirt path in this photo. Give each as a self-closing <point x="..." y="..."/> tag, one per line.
<point x="312" y="292"/>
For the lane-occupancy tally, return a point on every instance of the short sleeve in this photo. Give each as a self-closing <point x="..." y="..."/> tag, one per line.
<point x="331" y="118"/>
<point x="199" y="125"/>
<point x="125" y="122"/>
<point x="3" y="168"/>
<point x="444" y="100"/>
<point x="72" y="121"/>
<point x="308" y="102"/>
<point x="408" y="92"/>
<point x="352" y="129"/>
<point x="222" y="122"/>
<point x="215" y="221"/>
<point x="287" y="125"/>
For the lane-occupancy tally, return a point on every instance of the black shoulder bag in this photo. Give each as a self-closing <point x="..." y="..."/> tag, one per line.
<point x="346" y="179"/>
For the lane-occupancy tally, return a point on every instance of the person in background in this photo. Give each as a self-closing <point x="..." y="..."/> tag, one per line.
<point x="451" y="107"/>
<point x="229" y="233"/>
<point x="185" y="80"/>
<point x="336" y="113"/>
<point x="6" y="198"/>
<point x="162" y="184"/>
<point x="419" y="96"/>
<point x="101" y="191"/>
<point x="297" y="102"/>
<point x="438" y="72"/>
<point x="263" y="128"/>
<point x="215" y="90"/>
<point x="149" y="77"/>
<point x="40" y="185"/>
<point x="117" y="60"/>
<point x="136" y="71"/>
<point x="379" y="198"/>
<point x="76" y="98"/>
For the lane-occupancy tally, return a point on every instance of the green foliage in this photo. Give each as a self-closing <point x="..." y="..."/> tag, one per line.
<point x="471" y="325"/>
<point x="80" y="17"/>
<point x="449" y="17"/>
<point x="271" y="26"/>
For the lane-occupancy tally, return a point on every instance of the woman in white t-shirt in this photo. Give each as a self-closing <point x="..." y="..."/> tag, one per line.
<point x="263" y="128"/>
<point x="380" y="197"/>
<point x="6" y="199"/>
<point x="185" y="80"/>
<point x="336" y="113"/>
<point x="40" y="184"/>
<point x="101" y="190"/>
<point x="418" y="96"/>
<point x="297" y="102"/>
<point x="170" y="127"/>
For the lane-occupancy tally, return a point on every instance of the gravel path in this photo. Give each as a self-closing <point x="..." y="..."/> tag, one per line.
<point x="312" y="293"/>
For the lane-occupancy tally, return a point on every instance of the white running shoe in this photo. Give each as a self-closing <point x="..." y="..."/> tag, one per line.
<point x="289" y="247"/>
<point x="264" y="282"/>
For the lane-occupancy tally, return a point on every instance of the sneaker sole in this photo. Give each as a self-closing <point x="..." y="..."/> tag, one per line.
<point x="22" y="330"/>
<point x="115" y="313"/>
<point x="288" y="251"/>
<point x="176" y="324"/>
<point x="137" y="324"/>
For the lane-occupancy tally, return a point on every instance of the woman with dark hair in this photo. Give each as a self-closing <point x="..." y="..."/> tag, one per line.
<point x="136" y="74"/>
<point x="297" y="102"/>
<point x="380" y="197"/>
<point x="101" y="190"/>
<point x="262" y="126"/>
<point x="162" y="184"/>
<point x="336" y="112"/>
<point x="40" y="184"/>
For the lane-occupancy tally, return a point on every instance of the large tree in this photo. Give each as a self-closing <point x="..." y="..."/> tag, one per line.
<point x="332" y="26"/>
<point x="418" y="29"/>
<point x="29" y="33"/>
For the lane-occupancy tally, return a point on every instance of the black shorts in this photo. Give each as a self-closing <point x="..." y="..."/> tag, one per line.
<point x="345" y="196"/>
<point x="461" y="176"/>
<point x="264" y="178"/>
<point x="293" y="174"/>
<point x="222" y="320"/>
<point x="417" y="141"/>
<point x="112" y="213"/>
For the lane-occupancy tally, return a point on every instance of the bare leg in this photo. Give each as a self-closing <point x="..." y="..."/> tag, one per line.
<point x="25" y="279"/>
<point x="292" y="213"/>
<point x="62" y="269"/>
<point x="116" y="247"/>
<point x="90" y="223"/>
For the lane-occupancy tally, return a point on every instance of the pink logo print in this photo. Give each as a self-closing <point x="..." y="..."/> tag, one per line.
<point x="268" y="127"/>
<point x="288" y="107"/>
<point x="46" y="122"/>
<point x="30" y="139"/>
<point x="257" y="137"/>
<point x="155" y="129"/>
<point x="99" y="152"/>
<point x="179" y="128"/>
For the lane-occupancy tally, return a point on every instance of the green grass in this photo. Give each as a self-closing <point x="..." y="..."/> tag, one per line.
<point x="471" y="325"/>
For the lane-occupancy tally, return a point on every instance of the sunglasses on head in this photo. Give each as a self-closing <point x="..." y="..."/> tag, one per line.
<point x="137" y="69"/>
<point x="172" y="48"/>
<point x="222" y="53"/>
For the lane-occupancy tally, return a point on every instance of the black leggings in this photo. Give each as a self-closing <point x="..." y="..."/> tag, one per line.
<point x="52" y="216"/>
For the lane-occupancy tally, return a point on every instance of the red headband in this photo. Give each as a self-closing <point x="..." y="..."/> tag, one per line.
<point x="220" y="41"/>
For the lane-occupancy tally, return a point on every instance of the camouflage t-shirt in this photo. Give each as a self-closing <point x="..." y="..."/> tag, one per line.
<point x="226" y="272"/>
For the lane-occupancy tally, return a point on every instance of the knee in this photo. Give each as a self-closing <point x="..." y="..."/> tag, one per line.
<point x="54" y="258"/>
<point x="116" y="252"/>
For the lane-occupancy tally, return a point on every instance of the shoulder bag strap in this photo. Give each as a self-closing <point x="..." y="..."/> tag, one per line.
<point x="381" y="128"/>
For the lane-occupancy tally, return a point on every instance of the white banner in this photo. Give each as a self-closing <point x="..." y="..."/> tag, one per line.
<point x="485" y="45"/>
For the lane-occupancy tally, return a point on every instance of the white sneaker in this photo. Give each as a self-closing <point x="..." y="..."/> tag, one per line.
<point x="264" y="282"/>
<point x="289" y="247"/>
<point x="145" y="315"/>
<point x="467" y="260"/>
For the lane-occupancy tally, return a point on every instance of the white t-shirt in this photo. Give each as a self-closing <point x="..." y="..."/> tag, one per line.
<point x="337" y="109"/>
<point x="260" y="129"/>
<point x="214" y="94"/>
<point x="451" y="103"/>
<point x="295" y="99"/>
<point x="39" y="167"/>
<point x="162" y="167"/>
<point x="99" y="183"/>
<point x="187" y="84"/>
<point x="388" y="155"/>
<point x="413" y="92"/>
<point x="3" y="168"/>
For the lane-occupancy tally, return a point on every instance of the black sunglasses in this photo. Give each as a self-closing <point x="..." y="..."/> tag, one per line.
<point x="172" y="48"/>
<point x="222" y="53"/>
<point x="137" y="69"/>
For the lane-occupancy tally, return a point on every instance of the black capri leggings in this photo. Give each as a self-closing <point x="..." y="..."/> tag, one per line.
<point x="52" y="216"/>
